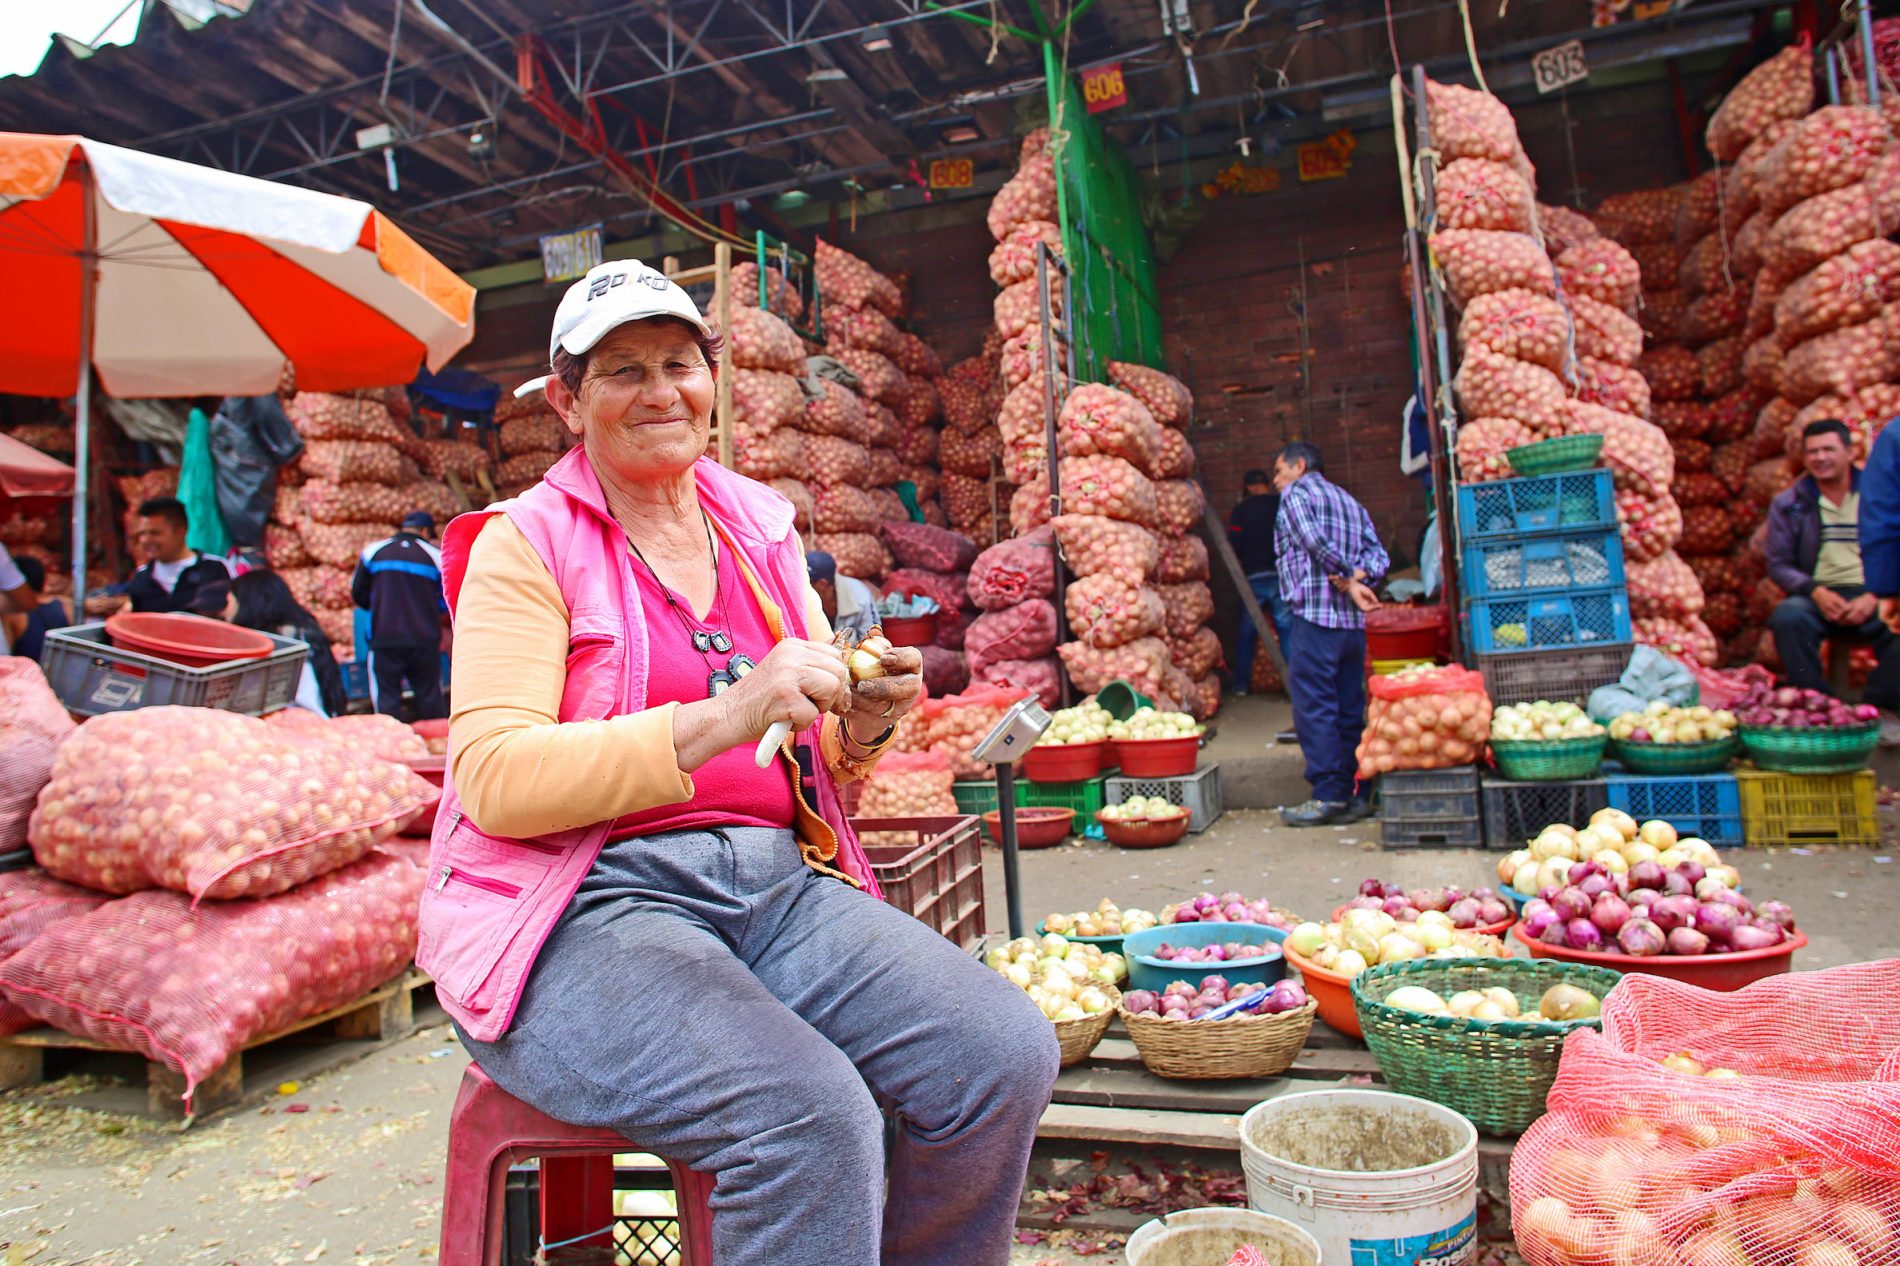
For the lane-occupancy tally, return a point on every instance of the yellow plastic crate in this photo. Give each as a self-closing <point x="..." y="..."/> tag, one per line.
<point x="1787" y="809"/>
<point x="1386" y="667"/>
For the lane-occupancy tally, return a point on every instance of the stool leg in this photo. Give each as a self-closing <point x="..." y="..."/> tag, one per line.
<point x="692" y="1190"/>
<point x="577" y="1199"/>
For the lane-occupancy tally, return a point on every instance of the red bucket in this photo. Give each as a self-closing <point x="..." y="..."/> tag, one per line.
<point x="911" y="630"/>
<point x="1407" y="632"/>
<point x="191" y="640"/>
<point x="1063" y="762"/>
<point x="1158" y="758"/>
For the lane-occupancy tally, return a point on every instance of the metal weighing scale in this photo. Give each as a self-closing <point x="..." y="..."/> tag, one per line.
<point x="1015" y="733"/>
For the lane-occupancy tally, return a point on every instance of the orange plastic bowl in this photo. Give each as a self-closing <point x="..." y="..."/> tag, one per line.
<point x="1485" y="929"/>
<point x="1333" y="994"/>
<point x="1722" y="972"/>
<point x="191" y="640"/>
<point x="1063" y="762"/>
<point x="1037" y="826"/>
<point x="1158" y="758"/>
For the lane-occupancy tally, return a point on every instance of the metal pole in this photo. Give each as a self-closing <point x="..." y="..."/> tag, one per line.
<point x="1006" y="811"/>
<point x="1429" y="314"/>
<point x="1864" y="19"/>
<point x="1051" y="439"/>
<point x="82" y="414"/>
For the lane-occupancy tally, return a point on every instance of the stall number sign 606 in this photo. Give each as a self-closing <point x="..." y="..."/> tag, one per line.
<point x="1555" y="67"/>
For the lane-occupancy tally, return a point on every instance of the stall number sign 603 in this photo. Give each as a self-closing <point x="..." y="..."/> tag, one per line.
<point x="1555" y="67"/>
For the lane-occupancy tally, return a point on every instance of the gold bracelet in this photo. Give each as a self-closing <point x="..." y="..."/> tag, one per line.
<point x="844" y="732"/>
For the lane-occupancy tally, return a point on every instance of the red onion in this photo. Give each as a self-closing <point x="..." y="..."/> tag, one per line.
<point x="1749" y="937"/>
<point x="1549" y="892"/>
<point x="1670" y="913"/>
<point x="1642" y="898"/>
<point x="1687" y="942"/>
<point x="1235" y="911"/>
<point x="1492" y="910"/>
<point x="1676" y="886"/>
<point x="1609" y="913"/>
<point x="1716" y="921"/>
<point x="1691" y="871"/>
<point x="1769" y="926"/>
<point x="1454" y="894"/>
<point x="1640" y="938"/>
<point x="1594" y="886"/>
<point x="1646" y="875"/>
<point x="1206" y="901"/>
<point x="1214" y="982"/>
<point x="1866" y="712"/>
<point x="1571" y="904"/>
<point x="1186" y="913"/>
<point x="1554" y="934"/>
<point x="1464" y="914"/>
<point x="1428" y="898"/>
<point x="1730" y="897"/>
<point x="1407" y="915"/>
<point x="1777" y="911"/>
<point x="1372" y="888"/>
<point x="1707" y="886"/>
<point x="1581" y="934"/>
<point x="1231" y="899"/>
<point x="1536" y="921"/>
<point x="1583" y="870"/>
<point x="1392" y="905"/>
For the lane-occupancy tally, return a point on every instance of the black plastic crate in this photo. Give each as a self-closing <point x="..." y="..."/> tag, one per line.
<point x="1561" y="675"/>
<point x="1430" y="808"/>
<point x="1514" y="812"/>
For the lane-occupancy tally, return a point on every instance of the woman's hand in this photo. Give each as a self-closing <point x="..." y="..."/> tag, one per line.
<point x="877" y="703"/>
<point x="798" y="681"/>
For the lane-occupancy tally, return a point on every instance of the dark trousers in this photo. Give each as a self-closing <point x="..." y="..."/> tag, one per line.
<point x="421" y="667"/>
<point x="1326" y="675"/>
<point x="1800" y="628"/>
<point x="1266" y="591"/>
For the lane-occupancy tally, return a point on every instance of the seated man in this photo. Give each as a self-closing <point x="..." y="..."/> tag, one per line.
<point x="175" y="577"/>
<point x="34" y="615"/>
<point x="1814" y="554"/>
<point x="849" y="603"/>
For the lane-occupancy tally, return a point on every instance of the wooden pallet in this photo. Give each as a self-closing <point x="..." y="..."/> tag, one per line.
<point x="383" y="1014"/>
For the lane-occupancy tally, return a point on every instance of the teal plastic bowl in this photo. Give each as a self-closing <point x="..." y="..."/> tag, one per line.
<point x="1145" y="971"/>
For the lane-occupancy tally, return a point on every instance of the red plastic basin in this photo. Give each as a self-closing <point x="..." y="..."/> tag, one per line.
<point x="911" y="630"/>
<point x="1063" y="762"/>
<point x="430" y="767"/>
<point x="1037" y="826"/>
<point x="1158" y="758"/>
<point x="1723" y="972"/>
<point x="1407" y="632"/>
<point x="191" y="640"/>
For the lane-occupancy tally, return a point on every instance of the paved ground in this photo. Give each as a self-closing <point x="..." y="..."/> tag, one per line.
<point x="354" y="1175"/>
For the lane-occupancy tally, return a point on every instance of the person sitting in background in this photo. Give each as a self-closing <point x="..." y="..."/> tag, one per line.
<point x="15" y="595"/>
<point x="174" y="577"/>
<point x="850" y="603"/>
<point x="1330" y="557"/>
<point x="398" y="581"/>
<point x="1251" y="527"/>
<point x="1814" y="554"/>
<point x="261" y="600"/>
<point x="34" y="615"/>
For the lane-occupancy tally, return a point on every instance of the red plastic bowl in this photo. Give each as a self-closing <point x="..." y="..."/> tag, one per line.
<point x="1722" y="972"/>
<point x="1064" y="762"/>
<point x="911" y="630"/>
<point x="1158" y="758"/>
<point x="1037" y="826"/>
<point x="191" y="640"/>
<point x="1485" y="929"/>
<point x="430" y="767"/>
<point x="1407" y="632"/>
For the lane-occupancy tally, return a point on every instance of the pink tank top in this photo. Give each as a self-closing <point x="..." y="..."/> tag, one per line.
<point x="730" y="789"/>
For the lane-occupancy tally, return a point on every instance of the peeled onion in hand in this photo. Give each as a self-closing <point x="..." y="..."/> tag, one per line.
<point x="866" y="659"/>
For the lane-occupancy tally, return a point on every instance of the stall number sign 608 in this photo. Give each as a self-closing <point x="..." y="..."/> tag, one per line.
<point x="1555" y="67"/>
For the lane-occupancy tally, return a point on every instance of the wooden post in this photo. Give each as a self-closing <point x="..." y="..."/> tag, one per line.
<point x="1269" y="636"/>
<point x="722" y="313"/>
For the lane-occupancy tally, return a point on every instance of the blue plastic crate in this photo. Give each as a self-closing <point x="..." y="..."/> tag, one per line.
<point x="1515" y="565"/>
<point x="1707" y="805"/>
<point x="1540" y="622"/>
<point x="1577" y="501"/>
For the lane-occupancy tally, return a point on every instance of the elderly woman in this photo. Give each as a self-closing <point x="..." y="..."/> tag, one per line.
<point x="636" y="926"/>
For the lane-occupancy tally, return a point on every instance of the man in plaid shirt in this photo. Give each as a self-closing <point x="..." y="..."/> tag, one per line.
<point x="1330" y="560"/>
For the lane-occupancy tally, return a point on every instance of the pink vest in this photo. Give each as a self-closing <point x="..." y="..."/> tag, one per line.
<point x="490" y="902"/>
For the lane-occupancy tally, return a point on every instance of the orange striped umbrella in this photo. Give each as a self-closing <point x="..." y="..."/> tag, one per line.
<point x="164" y="278"/>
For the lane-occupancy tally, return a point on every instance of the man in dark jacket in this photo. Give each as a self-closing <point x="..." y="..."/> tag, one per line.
<point x="1813" y="552"/>
<point x="1250" y="527"/>
<point x="1880" y="522"/>
<point x="175" y="577"/>
<point x="399" y="582"/>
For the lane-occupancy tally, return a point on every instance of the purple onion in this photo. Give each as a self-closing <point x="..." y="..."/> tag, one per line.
<point x="1716" y="921"/>
<point x="1610" y="913"/>
<point x="1141" y="1000"/>
<point x="1581" y="934"/>
<point x="1178" y="989"/>
<point x="1214" y="982"/>
<point x="1407" y="915"/>
<point x="1175" y="1003"/>
<point x="1646" y="875"/>
<point x="1707" y="886"/>
<point x="1464" y="913"/>
<point x="1676" y="886"/>
<point x="1639" y="938"/>
<point x="1554" y="934"/>
<point x="1235" y="912"/>
<point x="1777" y="911"/>
<point x="1213" y="916"/>
<point x="1688" y="942"/>
<point x="1438" y="899"/>
<point x="1594" y="886"/>
<point x="1749" y="937"/>
<point x="1535" y="924"/>
<point x="1231" y="899"/>
<point x="1549" y="892"/>
<point x="1691" y="871"/>
<point x="1769" y="926"/>
<point x="1200" y="1011"/>
<point x="1730" y="897"/>
<point x="1580" y="871"/>
<point x="1670" y="913"/>
<point x="1393" y="905"/>
<point x="1206" y="901"/>
<point x="1571" y="904"/>
<point x="1214" y="954"/>
<point x="1491" y="911"/>
<point x="1187" y="914"/>
<point x="1372" y="888"/>
<point x="1642" y="898"/>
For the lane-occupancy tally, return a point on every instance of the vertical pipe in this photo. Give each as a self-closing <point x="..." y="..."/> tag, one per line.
<point x="1864" y="19"/>
<point x="82" y="414"/>
<point x="1006" y="827"/>
<point x="1052" y="77"/>
<point x="1044" y="279"/>
<point x="722" y="312"/>
<point x="1429" y="314"/>
<point x="1833" y="64"/>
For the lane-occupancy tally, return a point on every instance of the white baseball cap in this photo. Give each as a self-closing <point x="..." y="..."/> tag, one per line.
<point x="610" y="295"/>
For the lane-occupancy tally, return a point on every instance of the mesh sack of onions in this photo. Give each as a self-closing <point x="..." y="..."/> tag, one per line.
<point x="1699" y="488"/>
<point x="1022" y="359"/>
<point x="842" y="508"/>
<point x="1684" y="419"/>
<point x="248" y="811"/>
<point x="1647" y="215"/>
<point x="1019" y="308"/>
<point x="1767" y="478"/>
<point x="798" y="493"/>
<point x="1182" y="558"/>
<point x="921" y="407"/>
<point x="966" y="500"/>
<point x="302" y="583"/>
<point x="1176" y="459"/>
<point x="907" y="785"/>
<point x="1179" y="504"/>
<point x="845" y="279"/>
<point x="1109" y="486"/>
<point x="1613" y="386"/>
<point x="1717" y="573"/>
<point x="189" y="985"/>
<point x="949" y="591"/>
<point x="1715" y="314"/>
<point x="1664" y="586"/>
<point x="945" y="672"/>
<point x="441" y="458"/>
<point x="1745" y="255"/>
<point x="1517" y="323"/>
<point x="1467" y="123"/>
<point x="1637" y="452"/>
<point x="1041" y="676"/>
<point x="356" y="461"/>
<point x="1720" y="365"/>
<point x="434" y="497"/>
<point x="866" y="329"/>
<point x="1028" y="197"/>
<point x="1481" y="261"/>
<point x="878" y="376"/>
<point x="1820" y="228"/>
<point x="1482" y="444"/>
<point x="760" y="340"/>
<point x="1687" y="638"/>
<point x="1014" y="258"/>
<point x="1025" y="457"/>
<point x="1742" y="183"/>
<point x="1022" y="412"/>
<point x="1700" y="210"/>
<point x="1731" y="462"/>
<point x="1167" y="398"/>
<point x="339" y="623"/>
<point x="881" y="427"/>
<point x="1850" y="289"/>
<point x="1099" y="420"/>
<point x="766" y="399"/>
<point x="1829" y="149"/>
<point x="1763" y="367"/>
<point x="1482" y="193"/>
<point x="1605" y="333"/>
<point x="1842" y="362"/>
<point x="1562" y="228"/>
<point x="1494" y="386"/>
<point x="836" y="410"/>
<point x="1105" y="610"/>
<point x="1707" y="266"/>
<point x="1029" y="506"/>
<point x="33" y="723"/>
<point x="1199" y="653"/>
<point x="526" y="434"/>
<point x="915" y="357"/>
<point x="926" y="481"/>
<point x="1189" y="605"/>
<point x="1692" y="457"/>
<point x="1428" y="720"/>
<point x="920" y="546"/>
<point x="1722" y="612"/>
<point x="320" y="415"/>
<point x="969" y="453"/>
<point x="1024" y="631"/>
<point x="337" y="544"/>
<point x="1706" y="528"/>
<point x="22" y="529"/>
<point x="32" y="901"/>
<point x="780" y="296"/>
<point x="1602" y="270"/>
<point x="956" y="723"/>
<point x="967" y="406"/>
<point x="383" y="737"/>
<point x="767" y="454"/>
<point x="1672" y="372"/>
<point x="1661" y="313"/>
<point x="1014" y="571"/>
<point x="891" y="509"/>
<point x="1780" y="88"/>
<point x="1866" y="412"/>
<point x="1651" y="526"/>
<point x="526" y="468"/>
<point x="1658" y="263"/>
<point x="284" y="547"/>
<point x="1143" y="663"/>
<point x="858" y="554"/>
<point x="1094" y="545"/>
<point x="952" y="624"/>
<point x="330" y="586"/>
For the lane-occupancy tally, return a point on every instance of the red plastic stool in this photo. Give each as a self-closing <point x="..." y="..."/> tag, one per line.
<point x="490" y="1129"/>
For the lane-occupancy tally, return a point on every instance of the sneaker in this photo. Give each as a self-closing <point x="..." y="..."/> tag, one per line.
<point x="1315" y="813"/>
<point x="1889" y="728"/>
<point x="1357" y="811"/>
<point x="1287" y="736"/>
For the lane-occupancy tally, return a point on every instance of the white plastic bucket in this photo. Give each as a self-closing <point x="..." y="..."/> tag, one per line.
<point x="1208" y="1237"/>
<point x="1378" y="1179"/>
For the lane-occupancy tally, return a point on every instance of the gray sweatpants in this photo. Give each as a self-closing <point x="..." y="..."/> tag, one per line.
<point x="716" y="1001"/>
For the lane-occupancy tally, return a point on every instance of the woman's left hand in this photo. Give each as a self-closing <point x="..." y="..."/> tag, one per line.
<point x="878" y="702"/>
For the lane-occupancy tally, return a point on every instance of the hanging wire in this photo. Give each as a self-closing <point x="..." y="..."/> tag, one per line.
<point x="1471" y="45"/>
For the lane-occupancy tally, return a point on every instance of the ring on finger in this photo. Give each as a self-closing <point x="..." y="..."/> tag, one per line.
<point x="889" y="708"/>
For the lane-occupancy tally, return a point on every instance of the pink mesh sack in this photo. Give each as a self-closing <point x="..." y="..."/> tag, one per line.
<point x="213" y="804"/>
<point x="1480" y="261"/>
<point x="1143" y="663"/>
<point x="1602" y="270"/>
<point x="1482" y="445"/>
<point x="1108" y="609"/>
<point x="1494" y="386"/>
<point x="1165" y="395"/>
<point x="1182" y="558"/>
<point x="189" y="985"/>
<point x="33" y="723"/>
<point x="919" y="545"/>
<point x="369" y="461"/>
<point x="1177" y="456"/>
<point x="945" y="672"/>
<point x="1098" y="420"/>
<point x="1482" y="193"/>
<point x="30" y="902"/>
<point x="955" y="724"/>
<point x="767" y="399"/>
<point x="845" y="279"/>
<point x="1199" y="653"/>
<point x="1189" y="606"/>
<point x="1178" y="506"/>
<point x="1092" y="544"/>
<point x="908" y="785"/>
<point x="1780" y="88"/>
<point x="761" y="340"/>
<point x="1518" y="323"/>
<point x="1023" y="631"/>
<point x="1014" y="571"/>
<point x="1041" y="676"/>
<point x="859" y="554"/>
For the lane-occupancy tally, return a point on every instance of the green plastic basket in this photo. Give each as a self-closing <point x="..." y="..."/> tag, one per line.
<point x="1785" y="750"/>
<point x="1676" y="758"/>
<point x="1555" y="457"/>
<point x="1496" y="1072"/>
<point x="1549" y="760"/>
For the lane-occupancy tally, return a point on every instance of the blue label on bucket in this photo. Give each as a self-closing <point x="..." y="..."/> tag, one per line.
<point x="1452" y="1246"/>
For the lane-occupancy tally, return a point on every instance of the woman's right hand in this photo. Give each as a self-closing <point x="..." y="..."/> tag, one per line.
<point x="798" y="681"/>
